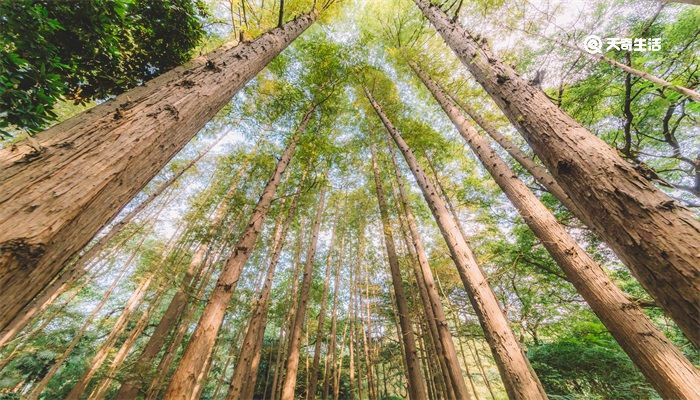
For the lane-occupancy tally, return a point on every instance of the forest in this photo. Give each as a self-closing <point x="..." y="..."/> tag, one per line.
<point x="350" y="199"/>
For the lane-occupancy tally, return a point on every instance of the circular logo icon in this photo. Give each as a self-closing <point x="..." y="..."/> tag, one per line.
<point x="593" y="44"/>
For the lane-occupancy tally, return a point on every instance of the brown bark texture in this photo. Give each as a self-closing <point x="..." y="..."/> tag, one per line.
<point x="54" y="200"/>
<point x="201" y="345"/>
<point x="658" y="239"/>
<point x="416" y="381"/>
<point x="518" y="377"/>
<point x="292" y="362"/>
<point x="671" y="374"/>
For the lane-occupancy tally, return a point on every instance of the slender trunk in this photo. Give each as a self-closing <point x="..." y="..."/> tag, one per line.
<point x="338" y="365"/>
<point x="244" y="371"/>
<point x="466" y="366"/>
<point x="286" y="327"/>
<point x="313" y="374"/>
<point x="39" y="387"/>
<point x="292" y="363"/>
<point x="352" y="318"/>
<point x="427" y="367"/>
<point x="541" y="175"/>
<point x="135" y="379"/>
<point x="416" y="382"/>
<point x="519" y="378"/>
<point x="101" y="389"/>
<point x="436" y="319"/>
<point x="330" y="372"/>
<point x="138" y="133"/>
<point x="655" y="237"/>
<point x="368" y="364"/>
<point x="116" y="330"/>
<point x="202" y="342"/>
<point x="671" y="374"/>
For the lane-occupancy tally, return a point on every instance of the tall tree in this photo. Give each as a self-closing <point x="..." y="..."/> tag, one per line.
<point x="518" y="377"/>
<point x="416" y="381"/>
<point x="41" y="226"/>
<point x="665" y="367"/>
<point x="321" y="320"/>
<point x="201" y="345"/>
<point x="244" y="375"/>
<point x="425" y="276"/>
<point x="292" y="362"/>
<point x="655" y="237"/>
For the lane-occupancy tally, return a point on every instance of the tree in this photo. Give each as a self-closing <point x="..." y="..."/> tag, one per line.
<point x="131" y="132"/>
<point x="656" y="238"/>
<point x="88" y="51"/>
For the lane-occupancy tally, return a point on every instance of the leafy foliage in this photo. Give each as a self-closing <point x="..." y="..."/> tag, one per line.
<point x="86" y="50"/>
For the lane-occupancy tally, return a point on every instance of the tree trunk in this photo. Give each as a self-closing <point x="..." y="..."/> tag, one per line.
<point x="286" y="327"/>
<point x="116" y="330"/>
<point x="244" y="374"/>
<point x="416" y="382"/>
<point x="330" y="372"/>
<point x="292" y="363"/>
<point x="202" y="342"/>
<point x="671" y="374"/>
<point x="519" y="378"/>
<point x="101" y="389"/>
<point x="54" y="200"/>
<point x="424" y="275"/>
<point x="39" y="387"/>
<point x="541" y="175"/>
<point x="313" y="374"/>
<point x="655" y="237"/>
<point x="135" y="379"/>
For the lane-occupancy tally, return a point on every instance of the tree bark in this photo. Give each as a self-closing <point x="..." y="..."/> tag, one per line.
<point x="655" y="237"/>
<point x="425" y="276"/>
<point x="244" y="375"/>
<point x="116" y="330"/>
<point x="39" y="387"/>
<point x="292" y="363"/>
<point x="202" y="342"/>
<point x="330" y="372"/>
<point x="518" y="377"/>
<point x="135" y="379"/>
<point x="671" y="374"/>
<point x="313" y="374"/>
<point x="54" y="200"/>
<point x="102" y="387"/>
<point x="541" y="175"/>
<point x="416" y="382"/>
<point x="287" y="327"/>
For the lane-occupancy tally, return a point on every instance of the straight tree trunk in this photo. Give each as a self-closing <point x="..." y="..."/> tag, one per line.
<point x="203" y="339"/>
<point x="116" y="330"/>
<point x="39" y="387"/>
<point x="135" y="379"/>
<point x="416" y="382"/>
<point x="655" y="237"/>
<point x="313" y="373"/>
<point x="243" y="372"/>
<point x="671" y="374"/>
<point x="101" y="389"/>
<point x="518" y="377"/>
<point x="292" y="363"/>
<point x="541" y="175"/>
<point x="330" y="375"/>
<point x="425" y="276"/>
<point x="54" y="200"/>
<point x="286" y="327"/>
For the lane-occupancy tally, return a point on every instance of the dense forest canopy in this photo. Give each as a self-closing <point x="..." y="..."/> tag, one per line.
<point x="349" y="199"/>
